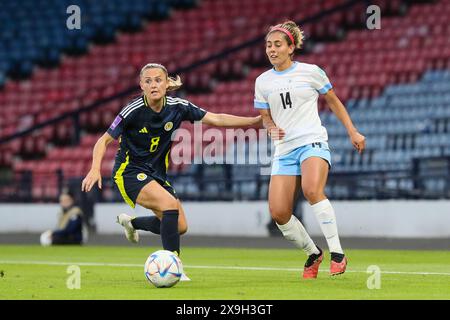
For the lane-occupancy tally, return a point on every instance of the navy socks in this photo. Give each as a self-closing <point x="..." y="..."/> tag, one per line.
<point x="169" y="231"/>
<point x="149" y="223"/>
<point x="167" y="228"/>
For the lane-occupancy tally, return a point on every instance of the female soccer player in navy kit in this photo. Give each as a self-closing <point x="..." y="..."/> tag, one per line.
<point x="286" y="97"/>
<point x="145" y="127"/>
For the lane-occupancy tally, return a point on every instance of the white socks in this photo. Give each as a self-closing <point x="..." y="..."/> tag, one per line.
<point x="327" y="221"/>
<point x="296" y="233"/>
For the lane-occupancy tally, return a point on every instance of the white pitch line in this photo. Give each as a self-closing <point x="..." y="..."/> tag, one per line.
<point x="102" y="264"/>
<point x="60" y="263"/>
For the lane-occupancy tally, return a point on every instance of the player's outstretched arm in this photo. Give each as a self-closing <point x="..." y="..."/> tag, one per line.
<point x="94" y="174"/>
<point x="357" y="139"/>
<point x="228" y="120"/>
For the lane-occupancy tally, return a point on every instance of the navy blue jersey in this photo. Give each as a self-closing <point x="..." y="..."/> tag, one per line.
<point x="145" y="135"/>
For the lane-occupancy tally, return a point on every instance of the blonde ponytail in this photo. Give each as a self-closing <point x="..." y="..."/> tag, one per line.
<point x="174" y="83"/>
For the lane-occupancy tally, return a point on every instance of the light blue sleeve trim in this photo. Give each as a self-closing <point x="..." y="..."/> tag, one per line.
<point x="325" y="88"/>
<point x="261" y="105"/>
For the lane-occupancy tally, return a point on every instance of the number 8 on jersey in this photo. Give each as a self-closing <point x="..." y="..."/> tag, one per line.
<point x="154" y="144"/>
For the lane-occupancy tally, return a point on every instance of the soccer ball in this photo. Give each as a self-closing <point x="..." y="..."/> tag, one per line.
<point x="163" y="269"/>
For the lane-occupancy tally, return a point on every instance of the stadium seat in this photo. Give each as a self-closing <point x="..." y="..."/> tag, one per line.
<point x="364" y="73"/>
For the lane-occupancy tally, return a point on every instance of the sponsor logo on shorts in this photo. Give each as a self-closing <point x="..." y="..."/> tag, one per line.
<point x="141" y="176"/>
<point x="168" y="126"/>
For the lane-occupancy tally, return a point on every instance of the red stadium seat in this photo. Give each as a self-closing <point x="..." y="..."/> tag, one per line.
<point x="357" y="67"/>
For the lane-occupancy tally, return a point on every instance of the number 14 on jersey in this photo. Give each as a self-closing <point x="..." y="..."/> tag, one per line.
<point x="286" y="100"/>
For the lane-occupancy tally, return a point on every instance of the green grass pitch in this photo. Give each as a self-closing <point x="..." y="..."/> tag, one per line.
<point x="34" y="272"/>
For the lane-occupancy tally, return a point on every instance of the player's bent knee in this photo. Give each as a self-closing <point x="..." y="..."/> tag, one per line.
<point x="312" y="195"/>
<point x="167" y="203"/>
<point x="280" y="215"/>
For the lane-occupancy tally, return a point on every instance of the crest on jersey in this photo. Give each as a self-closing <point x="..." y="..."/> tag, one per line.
<point x="168" y="126"/>
<point x="141" y="176"/>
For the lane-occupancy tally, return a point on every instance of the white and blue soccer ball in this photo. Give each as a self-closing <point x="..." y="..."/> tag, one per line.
<point x="163" y="269"/>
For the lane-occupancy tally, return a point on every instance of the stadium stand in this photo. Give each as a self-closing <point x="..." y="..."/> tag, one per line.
<point x="393" y="81"/>
<point x="107" y="69"/>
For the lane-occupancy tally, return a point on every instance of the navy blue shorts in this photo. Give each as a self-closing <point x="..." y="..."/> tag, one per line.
<point x="131" y="178"/>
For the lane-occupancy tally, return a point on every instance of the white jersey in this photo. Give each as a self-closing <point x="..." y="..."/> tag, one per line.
<point x="291" y="95"/>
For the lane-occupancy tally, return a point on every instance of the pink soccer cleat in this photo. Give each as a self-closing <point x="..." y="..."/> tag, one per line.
<point x="338" y="267"/>
<point x="312" y="265"/>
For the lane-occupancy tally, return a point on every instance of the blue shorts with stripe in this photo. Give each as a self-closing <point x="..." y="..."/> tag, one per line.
<point x="130" y="178"/>
<point x="290" y="164"/>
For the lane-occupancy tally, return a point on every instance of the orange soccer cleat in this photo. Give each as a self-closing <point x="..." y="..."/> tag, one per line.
<point x="312" y="265"/>
<point x="338" y="267"/>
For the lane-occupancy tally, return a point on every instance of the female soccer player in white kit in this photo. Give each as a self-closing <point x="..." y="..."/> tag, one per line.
<point x="286" y="97"/>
